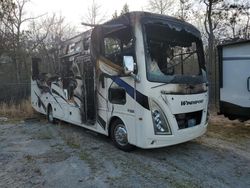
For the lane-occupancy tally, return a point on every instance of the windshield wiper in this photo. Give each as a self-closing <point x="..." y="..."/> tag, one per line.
<point x="159" y="85"/>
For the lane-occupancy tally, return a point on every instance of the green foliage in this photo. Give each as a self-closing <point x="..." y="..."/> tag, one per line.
<point x="115" y="15"/>
<point x="125" y="9"/>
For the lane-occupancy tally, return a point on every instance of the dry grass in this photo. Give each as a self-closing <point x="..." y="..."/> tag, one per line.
<point x="16" y="111"/>
<point x="232" y="131"/>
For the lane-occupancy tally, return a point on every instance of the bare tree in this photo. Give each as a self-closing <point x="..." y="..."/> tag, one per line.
<point x="246" y="13"/>
<point x="47" y="35"/>
<point x="12" y="26"/>
<point x="211" y="23"/>
<point x="7" y="8"/>
<point x="184" y="9"/>
<point x="160" y="6"/>
<point x="238" y="17"/>
<point x="94" y="14"/>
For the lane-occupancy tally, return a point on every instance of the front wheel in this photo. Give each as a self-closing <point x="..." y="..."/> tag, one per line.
<point x="119" y="136"/>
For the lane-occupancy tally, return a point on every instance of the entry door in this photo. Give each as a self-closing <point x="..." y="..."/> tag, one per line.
<point x="102" y="114"/>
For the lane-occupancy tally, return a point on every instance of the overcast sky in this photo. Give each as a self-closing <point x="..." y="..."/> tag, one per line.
<point x="74" y="10"/>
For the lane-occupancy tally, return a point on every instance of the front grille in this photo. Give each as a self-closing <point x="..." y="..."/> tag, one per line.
<point x="187" y="120"/>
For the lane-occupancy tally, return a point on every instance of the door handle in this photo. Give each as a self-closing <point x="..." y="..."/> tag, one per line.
<point x="248" y="82"/>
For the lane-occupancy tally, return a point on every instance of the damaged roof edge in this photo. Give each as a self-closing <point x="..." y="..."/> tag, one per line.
<point x="127" y="18"/>
<point x="234" y="42"/>
<point x="148" y="17"/>
<point x="145" y="17"/>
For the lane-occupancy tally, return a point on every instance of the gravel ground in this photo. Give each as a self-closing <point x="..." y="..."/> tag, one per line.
<point x="39" y="154"/>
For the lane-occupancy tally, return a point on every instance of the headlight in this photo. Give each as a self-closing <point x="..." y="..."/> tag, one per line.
<point x="161" y="125"/>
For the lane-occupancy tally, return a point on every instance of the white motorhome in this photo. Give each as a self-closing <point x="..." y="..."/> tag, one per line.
<point x="139" y="78"/>
<point x="234" y="76"/>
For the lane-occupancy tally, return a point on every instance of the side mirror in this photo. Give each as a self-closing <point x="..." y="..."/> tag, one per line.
<point x="128" y="65"/>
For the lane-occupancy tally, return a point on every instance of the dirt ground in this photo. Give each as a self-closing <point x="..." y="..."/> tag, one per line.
<point x="39" y="154"/>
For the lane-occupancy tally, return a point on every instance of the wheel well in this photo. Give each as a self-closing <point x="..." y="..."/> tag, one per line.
<point x="112" y="120"/>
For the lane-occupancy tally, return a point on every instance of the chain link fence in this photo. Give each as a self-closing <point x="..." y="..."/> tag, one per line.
<point x="14" y="92"/>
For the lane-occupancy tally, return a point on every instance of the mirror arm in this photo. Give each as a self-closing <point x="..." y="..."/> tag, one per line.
<point x="136" y="77"/>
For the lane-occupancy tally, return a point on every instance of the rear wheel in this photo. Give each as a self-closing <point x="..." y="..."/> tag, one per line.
<point x="119" y="136"/>
<point x="50" y="116"/>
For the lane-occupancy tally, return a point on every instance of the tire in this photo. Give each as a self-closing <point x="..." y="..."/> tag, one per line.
<point x="119" y="136"/>
<point x="50" y="116"/>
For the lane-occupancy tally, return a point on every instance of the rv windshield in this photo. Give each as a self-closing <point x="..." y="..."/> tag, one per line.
<point x="172" y="55"/>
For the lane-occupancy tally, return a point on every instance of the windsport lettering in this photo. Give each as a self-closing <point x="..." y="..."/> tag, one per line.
<point x="183" y="103"/>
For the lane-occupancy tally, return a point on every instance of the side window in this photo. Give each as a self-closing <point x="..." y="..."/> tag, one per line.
<point x="112" y="46"/>
<point x="112" y="50"/>
<point x="117" y="95"/>
<point x="118" y="44"/>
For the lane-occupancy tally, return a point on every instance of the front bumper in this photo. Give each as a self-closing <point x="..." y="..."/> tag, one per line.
<point x="181" y="136"/>
<point x="171" y="105"/>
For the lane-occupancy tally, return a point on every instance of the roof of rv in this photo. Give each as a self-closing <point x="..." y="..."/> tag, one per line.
<point x="148" y="17"/>
<point x="142" y="14"/>
<point x="127" y="18"/>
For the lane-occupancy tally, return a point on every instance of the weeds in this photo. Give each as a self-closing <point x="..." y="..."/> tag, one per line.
<point x="88" y="158"/>
<point x="29" y="158"/>
<point x="85" y="156"/>
<point x="72" y="140"/>
<point x="45" y="135"/>
<point x="13" y="110"/>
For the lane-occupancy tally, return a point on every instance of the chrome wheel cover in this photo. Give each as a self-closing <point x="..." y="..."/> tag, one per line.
<point x="121" y="135"/>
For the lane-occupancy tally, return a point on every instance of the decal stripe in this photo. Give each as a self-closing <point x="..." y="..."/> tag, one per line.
<point x="55" y="92"/>
<point x="55" y="99"/>
<point x="79" y="98"/>
<point x="40" y="101"/>
<point x="235" y="58"/>
<point x="49" y="91"/>
<point x="58" y="94"/>
<point x="140" y="98"/>
<point x="55" y="83"/>
<point x="101" y="122"/>
<point x="129" y="89"/>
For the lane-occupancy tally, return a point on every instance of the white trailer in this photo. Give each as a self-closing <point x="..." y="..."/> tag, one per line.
<point x="234" y="68"/>
<point x="140" y="79"/>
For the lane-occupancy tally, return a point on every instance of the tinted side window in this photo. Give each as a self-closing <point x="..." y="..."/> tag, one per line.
<point x="118" y="44"/>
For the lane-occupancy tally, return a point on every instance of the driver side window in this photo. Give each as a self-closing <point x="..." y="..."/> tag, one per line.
<point x="112" y="50"/>
<point x="111" y="46"/>
<point x="118" y="43"/>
